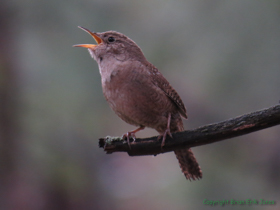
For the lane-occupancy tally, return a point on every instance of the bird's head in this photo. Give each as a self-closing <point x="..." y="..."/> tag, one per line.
<point x="112" y="44"/>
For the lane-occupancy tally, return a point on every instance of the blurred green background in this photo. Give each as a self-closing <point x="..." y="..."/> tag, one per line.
<point x="223" y="58"/>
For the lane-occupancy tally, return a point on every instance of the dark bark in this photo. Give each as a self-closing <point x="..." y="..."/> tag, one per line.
<point x="207" y="134"/>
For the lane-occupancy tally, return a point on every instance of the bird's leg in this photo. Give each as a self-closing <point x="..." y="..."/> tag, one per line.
<point x="132" y="135"/>
<point x="167" y="131"/>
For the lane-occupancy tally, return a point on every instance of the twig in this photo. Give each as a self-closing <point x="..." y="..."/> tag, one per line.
<point x="207" y="134"/>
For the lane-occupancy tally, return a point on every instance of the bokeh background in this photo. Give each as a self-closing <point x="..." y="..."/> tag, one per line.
<point x="223" y="57"/>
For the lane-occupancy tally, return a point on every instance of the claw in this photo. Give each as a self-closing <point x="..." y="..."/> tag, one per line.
<point x="132" y="135"/>
<point x="166" y="132"/>
<point x="127" y="136"/>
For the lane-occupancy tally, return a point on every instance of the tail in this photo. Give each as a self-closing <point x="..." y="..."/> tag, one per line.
<point x="188" y="164"/>
<point x="186" y="158"/>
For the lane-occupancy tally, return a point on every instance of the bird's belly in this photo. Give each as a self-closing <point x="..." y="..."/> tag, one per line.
<point x="139" y="104"/>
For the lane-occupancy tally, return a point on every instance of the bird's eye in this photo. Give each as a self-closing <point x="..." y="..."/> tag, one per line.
<point x="111" y="39"/>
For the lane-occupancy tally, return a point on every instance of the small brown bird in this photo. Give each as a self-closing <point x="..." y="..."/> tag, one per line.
<point x="138" y="93"/>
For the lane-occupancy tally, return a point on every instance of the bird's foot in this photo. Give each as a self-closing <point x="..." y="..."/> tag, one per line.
<point x="127" y="136"/>
<point x="167" y="131"/>
<point x="163" y="136"/>
<point x="132" y="135"/>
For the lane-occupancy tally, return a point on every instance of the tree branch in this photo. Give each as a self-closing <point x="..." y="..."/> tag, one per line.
<point x="207" y="134"/>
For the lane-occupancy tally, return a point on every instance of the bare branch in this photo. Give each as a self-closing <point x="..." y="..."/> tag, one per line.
<point x="207" y="134"/>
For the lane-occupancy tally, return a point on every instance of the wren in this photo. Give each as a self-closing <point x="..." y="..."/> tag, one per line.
<point x="138" y="93"/>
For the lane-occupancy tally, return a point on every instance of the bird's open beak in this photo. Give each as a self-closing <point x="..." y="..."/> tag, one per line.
<point x="90" y="46"/>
